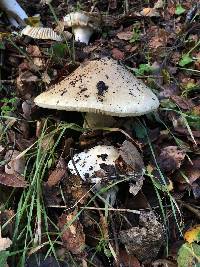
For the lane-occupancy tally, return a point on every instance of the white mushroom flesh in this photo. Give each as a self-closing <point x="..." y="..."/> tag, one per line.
<point x="95" y="164"/>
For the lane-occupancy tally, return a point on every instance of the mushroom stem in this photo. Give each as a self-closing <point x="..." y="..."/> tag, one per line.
<point x="97" y="120"/>
<point x="82" y="34"/>
<point x="14" y="11"/>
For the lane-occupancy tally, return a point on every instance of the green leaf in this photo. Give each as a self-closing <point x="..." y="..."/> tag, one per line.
<point x="59" y="50"/>
<point x="179" y="10"/>
<point x="186" y="59"/>
<point x="143" y="68"/>
<point x="189" y="255"/>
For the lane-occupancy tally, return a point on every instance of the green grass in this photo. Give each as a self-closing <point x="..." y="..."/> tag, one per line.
<point x="32" y="222"/>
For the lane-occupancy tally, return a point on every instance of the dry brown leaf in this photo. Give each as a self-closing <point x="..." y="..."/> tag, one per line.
<point x="13" y="180"/>
<point x="159" y="37"/>
<point x="150" y="12"/>
<point x="15" y="165"/>
<point x="182" y="102"/>
<point x="72" y="233"/>
<point x="125" y="35"/>
<point x="127" y="260"/>
<point x="171" y="158"/>
<point x="131" y="160"/>
<point x="56" y="176"/>
<point x="117" y="54"/>
<point x="36" y="55"/>
<point x="164" y="263"/>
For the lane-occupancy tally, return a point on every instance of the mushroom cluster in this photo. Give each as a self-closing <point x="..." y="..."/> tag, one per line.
<point x="102" y="88"/>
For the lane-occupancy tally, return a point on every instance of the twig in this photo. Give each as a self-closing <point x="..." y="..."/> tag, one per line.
<point x="190" y="208"/>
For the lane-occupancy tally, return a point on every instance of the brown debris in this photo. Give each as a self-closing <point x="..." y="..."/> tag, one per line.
<point x="13" y="180"/>
<point x="171" y="158"/>
<point x="72" y="233"/>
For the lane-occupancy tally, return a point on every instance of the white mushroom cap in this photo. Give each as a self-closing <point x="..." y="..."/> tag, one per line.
<point x="83" y="19"/>
<point x="92" y="164"/>
<point x="83" y="25"/>
<point x="41" y="33"/>
<point x="101" y="86"/>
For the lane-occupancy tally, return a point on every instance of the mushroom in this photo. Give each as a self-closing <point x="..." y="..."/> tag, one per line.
<point x="95" y="166"/>
<point x="14" y="11"/>
<point x="41" y="33"/>
<point x="83" y="25"/>
<point x="99" y="165"/>
<point x="102" y="88"/>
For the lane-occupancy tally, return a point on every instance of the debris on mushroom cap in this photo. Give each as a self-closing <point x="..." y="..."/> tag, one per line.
<point x="41" y="33"/>
<point x="101" y="86"/>
<point x="95" y="163"/>
<point x="83" y="19"/>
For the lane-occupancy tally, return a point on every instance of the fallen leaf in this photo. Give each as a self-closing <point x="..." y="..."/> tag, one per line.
<point x="158" y="37"/>
<point x="72" y="233"/>
<point x="193" y="234"/>
<point x="15" y="165"/>
<point x="13" y="180"/>
<point x="164" y="263"/>
<point x="171" y="158"/>
<point x="159" y="4"/>
<point x="182" y="102"/>
<point x="189" y="255"/>
<point x="56" y="176"/>
<point x="125" y="35"/>
<point x="36" y="55"/>
<point x="150" y="12"/>
<point x="117" y="54"/>
<point x="127" y="260"/>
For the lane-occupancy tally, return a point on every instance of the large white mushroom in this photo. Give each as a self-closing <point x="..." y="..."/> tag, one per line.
<point x="83" y="25"/>
<point x="102" y="88"/>
<point x="14" y="11"/>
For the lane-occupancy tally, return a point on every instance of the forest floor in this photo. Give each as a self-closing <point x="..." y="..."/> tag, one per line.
<point x="50" y="217"/>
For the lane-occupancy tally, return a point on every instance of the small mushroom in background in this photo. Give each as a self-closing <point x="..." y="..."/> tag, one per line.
<point x="14" y="11"/>
<point x="41" y="33"/>
<point x="99" y="165"/>
<point x="83" y="25"/>
<point x="102" y="88"/>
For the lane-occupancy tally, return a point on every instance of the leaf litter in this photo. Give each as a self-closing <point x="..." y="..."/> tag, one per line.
<point x="159" y="42"/>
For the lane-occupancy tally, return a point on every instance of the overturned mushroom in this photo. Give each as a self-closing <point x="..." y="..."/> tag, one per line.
<point x="14" y="11"/>
<point x="102" y="88"/>
<point x="100" y="165"/>
<point x="83" y="25"/>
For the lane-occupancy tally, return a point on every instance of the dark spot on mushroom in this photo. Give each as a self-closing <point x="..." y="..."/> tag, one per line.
<point x="102" y="156"/>
<point x="86" y="175"/>
<point x="109" y="169"/>
<point x="101" y="89"/>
